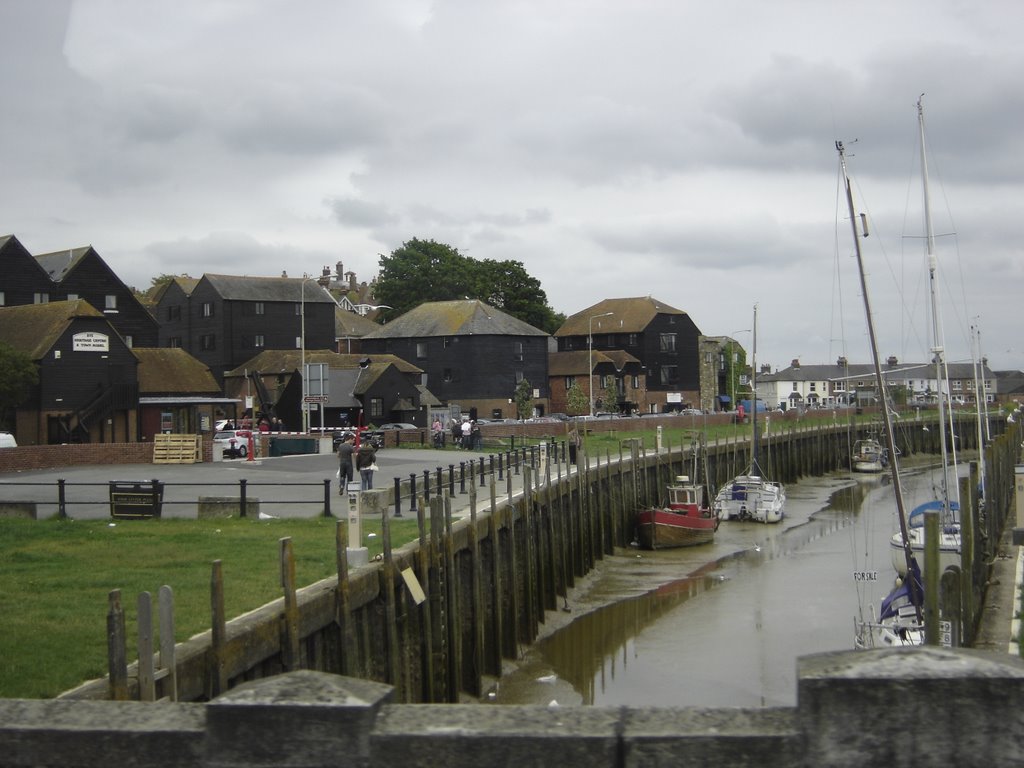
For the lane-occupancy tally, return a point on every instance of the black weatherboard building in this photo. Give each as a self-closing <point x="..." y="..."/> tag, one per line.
<point x="226" y="320"/>
<point x="472" y="354"/>
<point x="70" y="275"/>
<point x="664" y="339"/>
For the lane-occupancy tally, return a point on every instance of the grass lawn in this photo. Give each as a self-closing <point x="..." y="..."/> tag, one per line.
<point x="55" y="577"/>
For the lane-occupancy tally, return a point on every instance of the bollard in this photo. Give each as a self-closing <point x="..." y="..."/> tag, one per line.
<point x="412" y="491"/>
<point x="482" y="483"/>
<point x="241" y="496"/>
<point x="440" y="481"/>
<point x="501" y="468"/>
<point x="451" y="479"/>
<point x="515" y="460"/>
<point x="398" y="497"/>
<point x="62" y="500"/>
<point x="327" y="497"/>
<point x="426" y="485"/>
<point x="462" y="477"/>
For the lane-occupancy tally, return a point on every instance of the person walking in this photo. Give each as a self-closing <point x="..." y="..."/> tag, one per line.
<point x="467" y="435"/>
<point x="456" y="433"/>
<point x="438" y="431"/>
<point x="366" y="463"/>
<point x="345" y="451"/>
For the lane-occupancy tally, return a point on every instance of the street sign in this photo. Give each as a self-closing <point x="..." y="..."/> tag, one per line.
<point x="315" y="399"/>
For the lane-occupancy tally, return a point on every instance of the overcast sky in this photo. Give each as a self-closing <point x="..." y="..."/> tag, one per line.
<point x="683" y="150"/>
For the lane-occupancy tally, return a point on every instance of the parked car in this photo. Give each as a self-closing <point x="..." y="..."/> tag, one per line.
<point x="397" y="425"/>
<point x="235" y="442"/>
<point x="7" y="440"/>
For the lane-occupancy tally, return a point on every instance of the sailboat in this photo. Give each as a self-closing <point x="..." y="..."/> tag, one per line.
<point x="750" y="496"/>
<point x="901" y="618"/>
<point x="949" y="540"/>
<point x="685" y="519"/>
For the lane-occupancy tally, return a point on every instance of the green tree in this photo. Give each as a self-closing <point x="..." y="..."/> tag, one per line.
<point x="523" y="399"/>
<point x="18" y="375"/>
<point x="576" y="401"/>
<point x="609" y="397"/>
<point x="425" y="270"/>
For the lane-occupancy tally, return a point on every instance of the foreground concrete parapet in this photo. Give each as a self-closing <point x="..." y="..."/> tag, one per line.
<point x="57" y="732"/>
<point x="298" y="719"/>
<point x="728" y="737"/>
<point x="471" y="736"/>
<point x="892" y="708"/>
<point x="912" y="707"/>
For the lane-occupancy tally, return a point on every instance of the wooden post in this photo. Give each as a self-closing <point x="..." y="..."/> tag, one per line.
<point x="394" y="669"/>
<point x="497" y="593"/>
<point x="343" y="602"/>
<point x="218" y="680"/>
<point x="168" y="657"/>
<point x="931" y="577"/>
<point x="479" y="615"/>
<point x="423" y="562"/>
<point x="147" y="683"/>
<point x="117" y="661"/>
<point x="453" y="614"/>
<point x="290" y="651"/>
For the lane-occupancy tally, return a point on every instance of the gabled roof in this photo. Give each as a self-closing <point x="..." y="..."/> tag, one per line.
<point x="351" y="325"/>
<point x="35" y="328"/>
<point x="631" y="315"/>
<point x="186" y="283"/>
<point x="59" y="263"/>
<point x="463" y="317"/>
<point x="245" y="288"/>
<point x="168" y="370"/>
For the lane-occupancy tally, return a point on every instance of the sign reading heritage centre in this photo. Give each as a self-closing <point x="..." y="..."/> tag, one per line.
<point x="90" y="341"/>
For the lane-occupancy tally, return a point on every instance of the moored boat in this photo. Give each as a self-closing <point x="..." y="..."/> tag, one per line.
<point x="684" y="521"/>
<point x="868" y="456"/>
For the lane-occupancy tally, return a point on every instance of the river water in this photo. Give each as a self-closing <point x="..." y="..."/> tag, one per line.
<point x="720" y="625"/>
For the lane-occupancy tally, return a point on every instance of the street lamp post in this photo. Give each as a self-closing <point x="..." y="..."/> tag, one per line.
<point x="302" y="355"/>
<point x="590" y="356"/>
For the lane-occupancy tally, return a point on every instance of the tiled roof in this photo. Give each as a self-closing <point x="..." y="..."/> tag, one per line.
<point x="59" y="263"/>
<point x="463" y="317"/>
<point x="349" y="324"/>
<point x="167" y="370"/>
<point x="245" y="288"/>
<point x="35" y="328"/>
<point x="631" y="315"/>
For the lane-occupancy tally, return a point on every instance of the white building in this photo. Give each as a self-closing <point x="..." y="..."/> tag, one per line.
<point x="849" y="383"/>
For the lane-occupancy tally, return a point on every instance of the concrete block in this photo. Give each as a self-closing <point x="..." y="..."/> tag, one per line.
<point x="300" y="718"/>
<point x="454" y="736"/>
<point x="18" y="509"/>
<point x="764" y="738"/>
<point x="227" y="506"/>
<point x="910" y="707"/>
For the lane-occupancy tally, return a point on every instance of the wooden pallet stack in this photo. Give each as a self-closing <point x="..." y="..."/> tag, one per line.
<point x="177" y="449"/>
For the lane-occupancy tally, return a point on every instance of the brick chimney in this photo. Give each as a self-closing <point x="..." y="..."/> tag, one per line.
<point x="891" y="360"/>
<point x="795" y="363"/>
<point x="842" y="361"/>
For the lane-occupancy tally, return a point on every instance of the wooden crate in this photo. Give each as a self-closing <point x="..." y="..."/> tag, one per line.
<point x="177" y="449"/>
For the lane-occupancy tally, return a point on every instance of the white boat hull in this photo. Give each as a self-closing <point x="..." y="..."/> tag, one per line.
<point x="749" y="497"/>
<point x="949" y="549"/>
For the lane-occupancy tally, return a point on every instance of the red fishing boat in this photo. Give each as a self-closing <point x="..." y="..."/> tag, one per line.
<point x="685" y="521"/>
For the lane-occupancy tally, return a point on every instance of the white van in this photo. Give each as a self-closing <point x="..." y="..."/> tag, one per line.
<point x="7" y="440"/>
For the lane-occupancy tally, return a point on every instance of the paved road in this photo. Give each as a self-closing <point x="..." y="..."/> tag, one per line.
<point x="286" y="486"/>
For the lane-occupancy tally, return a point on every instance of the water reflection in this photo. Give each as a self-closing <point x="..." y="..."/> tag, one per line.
<point x="670" y="648"/>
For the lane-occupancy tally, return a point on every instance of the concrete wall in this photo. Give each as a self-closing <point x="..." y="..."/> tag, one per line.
<point x="895" y="707"/>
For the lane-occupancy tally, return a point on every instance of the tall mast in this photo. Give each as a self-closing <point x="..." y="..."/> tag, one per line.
<point x="937" y="350"/>
<point x="755" y="469"/>
<point x="890" y="439"/>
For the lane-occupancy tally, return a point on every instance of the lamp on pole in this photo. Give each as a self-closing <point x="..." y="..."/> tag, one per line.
<point x="302" y="355"/>
<point x="590" y="356"/>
